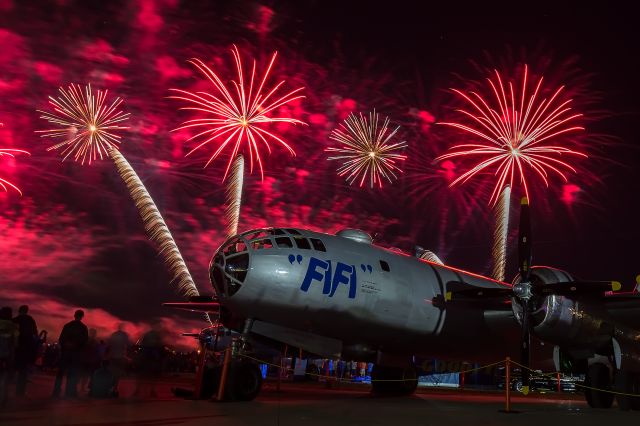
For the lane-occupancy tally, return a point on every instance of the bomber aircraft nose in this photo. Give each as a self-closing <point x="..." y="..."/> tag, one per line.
<point x="229" y="267"/>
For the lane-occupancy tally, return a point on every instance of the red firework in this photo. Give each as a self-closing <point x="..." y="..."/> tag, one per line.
<point x="513" y="134"/>
<point x="9" y="152"/>
<point x="237" y="114"/>
<point x="84" y="122"/>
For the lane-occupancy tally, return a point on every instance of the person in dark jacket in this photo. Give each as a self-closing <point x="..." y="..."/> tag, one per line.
<point x="8" y="343"/>
<point x="72" y="341"/>
<point x="27" y="348"/>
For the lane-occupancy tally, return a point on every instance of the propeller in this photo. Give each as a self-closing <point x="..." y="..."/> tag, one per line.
<point x="523" y="289"/>
<point x="526" y="290"/>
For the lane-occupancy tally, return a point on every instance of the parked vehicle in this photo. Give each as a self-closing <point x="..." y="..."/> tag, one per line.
<point x="542" y="382"/>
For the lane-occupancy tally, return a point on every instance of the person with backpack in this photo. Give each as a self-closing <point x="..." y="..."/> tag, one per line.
<point x="8" y="343"/>
<point x="27" y="348"/>
<point x="72" y="341"/>
<point x="103" y="382"/>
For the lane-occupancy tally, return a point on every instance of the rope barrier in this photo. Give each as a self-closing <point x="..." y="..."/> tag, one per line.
<point x="471" y="370"/>
<point x="578" y="384"/>
<point x="373" y="380"/>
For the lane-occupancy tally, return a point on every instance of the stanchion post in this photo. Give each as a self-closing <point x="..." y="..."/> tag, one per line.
<point x="202" y="357"/>
<point x="507" y="385"/>
<point x="225" y="371"/>
<point x="558" y="379"/>
<point x="462" y="380"/>
<point x="279" y="375"/>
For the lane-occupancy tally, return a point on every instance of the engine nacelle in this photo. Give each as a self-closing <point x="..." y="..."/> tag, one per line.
<point x="564" y="321"/>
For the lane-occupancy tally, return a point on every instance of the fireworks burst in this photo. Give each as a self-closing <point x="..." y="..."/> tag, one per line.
<point x="86" y="123"/>
<point x="239" y="114"/>
<point x="366" y="151"/>
<point x="94" y="124"/>
<point x="515" y="135"/>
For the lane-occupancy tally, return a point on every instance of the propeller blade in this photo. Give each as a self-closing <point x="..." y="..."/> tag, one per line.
<point x="524" y="241"/>
<point x="209" y="307"/>
<point x="578" y="288"/>
<point x="203" y="298"/>
<point x="526" y="345"/>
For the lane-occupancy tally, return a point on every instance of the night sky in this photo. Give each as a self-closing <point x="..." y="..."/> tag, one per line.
<point x="74" y="239"/>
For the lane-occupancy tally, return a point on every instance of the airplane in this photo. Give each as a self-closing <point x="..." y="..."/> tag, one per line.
<point x="344" y="296"/>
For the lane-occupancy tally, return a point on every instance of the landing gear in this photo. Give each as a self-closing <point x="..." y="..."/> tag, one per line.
<point x="244" y="381"/>
<point x="598" y="376"/>
<point x="628" y="383"/>
<point x="393" y="381"/>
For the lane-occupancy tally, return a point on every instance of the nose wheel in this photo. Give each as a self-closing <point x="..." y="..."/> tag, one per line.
<point x="598" y="377"/>
<point x="393" y="381"/>
<point x="240" y="378"/>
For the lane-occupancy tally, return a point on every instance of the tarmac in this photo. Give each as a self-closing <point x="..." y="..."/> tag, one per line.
<point x="307" y="404"/>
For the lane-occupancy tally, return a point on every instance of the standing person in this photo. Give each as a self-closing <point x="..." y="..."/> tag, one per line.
<point x="151" y="351"/>
<point x="72" y="340"/>
<point x="27" y="348"/>
<point x="8" y="343"/>
<point x="117" y="348"/>
<point x="91" y="360"/>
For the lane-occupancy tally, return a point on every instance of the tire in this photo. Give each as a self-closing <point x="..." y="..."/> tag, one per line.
<point x="409" y="382"/>
<point x="635" y="402"/>
<point x="378" y="384"/>
<point x="393" y="381"/>
<point x="598" y="377"/>
<point x="624" y="383"/>
<point x="244" y="382"/>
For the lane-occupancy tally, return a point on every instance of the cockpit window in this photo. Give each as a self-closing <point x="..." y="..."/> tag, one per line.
<point x="317" y="244"/>
<point x="262" y="244"/>
<point x="260" y="234"/>
<point x="302" y="243"/>
<point x="293" y="232"/>
<point x="237" y="246"/>
<point x="385" y="266"/>
<point x="284" y="242"/>
<point x="279" y="232"/>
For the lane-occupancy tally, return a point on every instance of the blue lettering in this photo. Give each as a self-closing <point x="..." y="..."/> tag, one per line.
<point x="313" y="274"/>
<point x="340" y="278"/>
<point x="327" y="280"/>
<point x="322" y="271"/>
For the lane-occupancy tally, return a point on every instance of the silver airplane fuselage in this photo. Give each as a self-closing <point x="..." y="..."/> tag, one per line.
<point x="362" y="298"/>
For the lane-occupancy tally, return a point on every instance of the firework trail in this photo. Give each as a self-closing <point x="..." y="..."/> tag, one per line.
<point x="234" y="196"/>
<point x="155" y="226"/>
<point x="430" y="256"/>
<point x="514" y="134"/>
<point x="366" y="151"/>
<point x="94" y="139"/>
<point x="86" y="124"/>
<point x="500" y="234"/>
<point x="8" y="152"/>
<point x="237" y="115"/>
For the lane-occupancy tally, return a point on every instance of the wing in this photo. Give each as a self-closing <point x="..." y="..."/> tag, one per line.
<point x="624" y="308"/>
